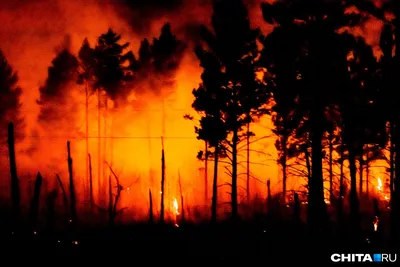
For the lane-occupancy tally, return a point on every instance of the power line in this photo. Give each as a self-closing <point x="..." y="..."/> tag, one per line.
<point x="104" y="137"/>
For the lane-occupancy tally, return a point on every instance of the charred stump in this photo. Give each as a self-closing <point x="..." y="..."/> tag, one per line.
<point x="151" y="220"/>
<point x="34" y="207"/>
<point x="15" y="190"/>
<point x="71" y="186"/>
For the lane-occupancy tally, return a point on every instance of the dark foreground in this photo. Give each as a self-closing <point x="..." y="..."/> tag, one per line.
<point x="140" y="245"/>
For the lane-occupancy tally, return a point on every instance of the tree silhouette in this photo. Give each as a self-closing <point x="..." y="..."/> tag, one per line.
<point x="56" y="92"/>
<point x="210" y="100"/>
<point x="161" y="59"/>
<point x="232" y="44"/>
<point x="390" y="64"/>
<point x="319" y="64"/>
<point x="278" y="59"/>
<point x="167" y="53"/>
<point x="10" y="94"/>
<point x="114" y="67"/>
<point x="360" y="124"/>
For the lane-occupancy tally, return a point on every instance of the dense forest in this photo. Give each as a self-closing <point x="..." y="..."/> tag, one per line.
<point x="330" y="96"/>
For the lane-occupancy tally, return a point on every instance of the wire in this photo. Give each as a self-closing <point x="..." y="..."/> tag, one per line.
<point x="104" y="137"/>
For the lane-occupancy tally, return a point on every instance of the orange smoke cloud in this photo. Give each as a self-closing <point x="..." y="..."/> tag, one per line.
<point x="33" y="31"/>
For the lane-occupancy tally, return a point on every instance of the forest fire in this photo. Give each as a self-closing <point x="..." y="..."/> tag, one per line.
<point x="119" y="112"/>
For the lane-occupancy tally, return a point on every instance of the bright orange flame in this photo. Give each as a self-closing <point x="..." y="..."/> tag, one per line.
<point x="379" y="186"/>
<point x="176" y="206"/>
<point x="376" y="223"/>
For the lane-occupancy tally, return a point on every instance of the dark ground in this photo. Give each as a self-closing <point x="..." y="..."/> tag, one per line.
<point x="247" y="244"/>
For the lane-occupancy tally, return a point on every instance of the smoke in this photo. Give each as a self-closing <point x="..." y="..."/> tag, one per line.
<point x="161" y="36"/>
<point x="54" y="94"/>
<point x="10" y="94"/>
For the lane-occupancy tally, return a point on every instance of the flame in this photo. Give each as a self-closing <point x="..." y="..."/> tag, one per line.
<point x="376" y="223"/>
<point x="135" y="150"/>
<point x="176" y="206"/>
<point x="380" y="185"/>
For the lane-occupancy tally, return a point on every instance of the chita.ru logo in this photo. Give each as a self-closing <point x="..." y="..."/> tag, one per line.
<point x="359" y="257"/>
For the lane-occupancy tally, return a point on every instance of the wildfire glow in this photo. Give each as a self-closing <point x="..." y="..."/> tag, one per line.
<point x="131" y="146"/>
<point x="380" y="185"/>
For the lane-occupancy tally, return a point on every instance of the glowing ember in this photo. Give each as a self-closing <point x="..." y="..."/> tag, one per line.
<point x="376" y="222"/>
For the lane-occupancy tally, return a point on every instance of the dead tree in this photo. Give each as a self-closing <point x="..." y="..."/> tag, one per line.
<point x="110" y="203"/>
<point x="90" y="181"/>
<point x="51" y="210"/>
<point x="182" y="204"/>
<point x="71" y="185"/>
<point x="34" y="207"/>
<point x="296" y="208"/>
<point x="64" y="193"/>
<point x="269" y="198"/>
<point x="15" y="191"/>
<point x="162" y="181"/>
<point x="113" y="210"/>
<point x="206" y="172"/>
<point x="150" y="208"/>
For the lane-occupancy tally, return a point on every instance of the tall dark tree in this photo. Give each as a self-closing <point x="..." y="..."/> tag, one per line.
<point x="232" y="43"/>
<point x="114" y="66"/>
<point x="86" y="69"/>
<point x="167" y="53"/>
<point x="390" y="64"/>
<point x="166" y="56"/>
<point x="317" y="66"/>
<point x="56" y="92"/>
<point x="113" y="70"/>
<point x="282" y="78"/>
<point x="210" y="101"/>
<point x="10" y="94"/>
<point x="361" y="123"/>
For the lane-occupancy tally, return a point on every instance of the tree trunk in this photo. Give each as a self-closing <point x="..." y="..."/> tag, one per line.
<point x="248" y="163"/>
<point x="284" y="168"/>
<point x="361" y="163"/>
<point x="34" y="208"/>
<point x="206" y="173"/>
<point x="308" y="163"/>
<point x="269" y="197"/>
<point x="90" y="182"/>
<point x="215" y="187"/>
<point x="150" y="208"/>
<point x="15" y="190"/>
<point x="162" y="183"/>
<point x="316" y="204"/>
<point x="104" y="150"/>
<point x="331" y="195"/>
<point x="367" y="179"/>
<point x="110" y="203"/>
<point x="395" y="208"/>
<point x="341" y="186"/>
<point x="65" y="197"/>
<point x="234" y="202"/>
<point x="391" y="160"/>
<point x="354" y="204"/>
<point x="87" y="137"/>
<point x="99" y="178"/>
<point x="71" y="185"/>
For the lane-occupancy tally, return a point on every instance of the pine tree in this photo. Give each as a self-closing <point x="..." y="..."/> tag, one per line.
<point x="10" y="94"/>
<point x="232" y="45"/>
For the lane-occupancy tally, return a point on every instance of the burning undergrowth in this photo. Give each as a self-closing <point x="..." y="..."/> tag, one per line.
<point x="117" y="87"/>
